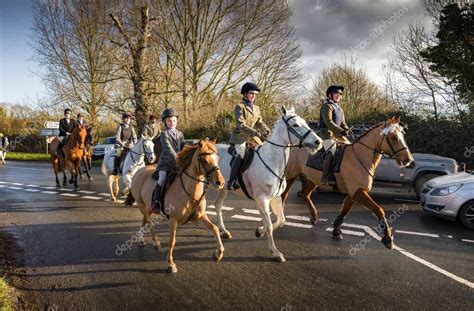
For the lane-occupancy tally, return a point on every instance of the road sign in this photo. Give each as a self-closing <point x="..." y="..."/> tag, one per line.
<point x="49" y="132"/>
<point x="51" y="124"/>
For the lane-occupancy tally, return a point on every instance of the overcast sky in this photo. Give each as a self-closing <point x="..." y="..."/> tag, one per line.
<point x="326" y="30"/>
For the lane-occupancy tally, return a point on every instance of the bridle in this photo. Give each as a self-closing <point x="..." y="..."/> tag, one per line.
<point x="146" y="153"/>
<point x="378" y="150"/>
<point x="290" y="129"/>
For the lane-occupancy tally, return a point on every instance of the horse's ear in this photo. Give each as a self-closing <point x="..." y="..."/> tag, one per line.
<point x="397" y="120"/>
<point x="283" y="110"/>
<point x="200" y="144"/>
<point x="213" y="140"/>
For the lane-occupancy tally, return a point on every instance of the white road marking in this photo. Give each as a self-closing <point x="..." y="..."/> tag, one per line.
<point x="432" y="235"/>
<point x="304" y="218"/>
<point x="247" y="217"/>
<point x="49" y="192"/>
<point x="298" y="225"/>
<point x="86" y="191"/>
<point x="211" y="213"/>
<point x="32" y="190"/>
<point x="33" y="185"/>
<point x="466" y="240"/>
<point x="2" y="186"/>
<point x="105" y="194"/>
<point x="4" y="182"/>
<point x="349" y="232"/>
<point x="91" y="198"/>
<point x="251" y="211"/>
<point x="17" y="184"/>
<point x="66" y="189"/>
<point x="49" y="188"/>
<point x="224" y="208"/>
<point x="69" y="194"/>
<point x="423" y="262"/>
<point x="15" y="188"/>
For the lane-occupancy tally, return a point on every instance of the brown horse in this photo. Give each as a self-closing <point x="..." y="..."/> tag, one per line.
<point x="73" y="151"/>
<point x="185" y="197"/>
<point x="356" y="173"/>
<point x="87" y="156"/>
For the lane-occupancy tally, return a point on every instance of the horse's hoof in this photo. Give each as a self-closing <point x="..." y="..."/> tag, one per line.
<point x="279" y="258"/>
<point x="313" y="219"/>
<point x="258" y="234"/>
<point x="337" y="234"/>
<point x="172" y="269"/>
<point x="226" y="235"/>
<point x="91" y="179"/>
<point x="217" y="256"/>
<point x="388" y="241"/>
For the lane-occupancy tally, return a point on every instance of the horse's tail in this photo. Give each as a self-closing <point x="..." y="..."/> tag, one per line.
<point x="103" y="167"/>
<point x="130" y="199"/>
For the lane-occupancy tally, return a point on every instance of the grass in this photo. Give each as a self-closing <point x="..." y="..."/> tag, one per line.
<point x="25" y="156"/>
<point x="5" y="296"/>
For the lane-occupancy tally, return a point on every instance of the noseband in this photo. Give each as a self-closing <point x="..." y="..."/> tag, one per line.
<point x="290" y="129"/>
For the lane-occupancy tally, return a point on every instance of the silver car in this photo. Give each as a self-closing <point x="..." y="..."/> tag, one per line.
<point x="450" y="197"/>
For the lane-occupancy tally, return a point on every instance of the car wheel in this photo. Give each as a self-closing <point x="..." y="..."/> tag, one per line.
<point x="466" y="215"/>
<point x="421" y="181"/>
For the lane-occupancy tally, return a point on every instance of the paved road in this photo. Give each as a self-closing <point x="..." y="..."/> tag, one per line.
<point x="68" y="255"/>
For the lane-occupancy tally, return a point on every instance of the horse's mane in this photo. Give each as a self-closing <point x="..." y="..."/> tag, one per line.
<point x="369" y="130"/>
<point x="185" y="156"/>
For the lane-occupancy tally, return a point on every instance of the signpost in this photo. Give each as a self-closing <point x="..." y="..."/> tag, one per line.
<point x="50" y="130"/>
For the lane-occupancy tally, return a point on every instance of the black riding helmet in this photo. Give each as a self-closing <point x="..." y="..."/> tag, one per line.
<point x="249" y="87"/>
<point x="126" y="115"/>
<point x="333" y="88"/>
<point x="169" y="112"/>
<point x="67" y="110"/>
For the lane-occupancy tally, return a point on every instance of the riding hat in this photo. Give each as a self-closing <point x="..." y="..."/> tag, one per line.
<point x="334" y="88"/>
<point x="126" y="115"/>
<point x="249" y="87"/>
<point x="169" y="112"/>
<point x="67" y="110"/>
<point x="80" y="115"/>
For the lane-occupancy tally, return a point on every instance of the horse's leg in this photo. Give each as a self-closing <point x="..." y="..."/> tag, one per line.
<point x="221" y="195"/>
<point x="264" y="208"/>
<point x="306" y="193"/>
<point x="80" y="170"/>
<point x="127" y="181"/>
<point x="86" y="166"/>
<point x="364" y="198"/>
<point x="75" y="172"/>
<point x="116" y="186"/>
<point x="55" y="162"/>
<point x="171" y="265"/>
<point x="285" y="193"/>
<point x="276" y="205"/>
<point x="347" y="204"/>
<point x="219" y="253"/>
<point x="110" y="181"/>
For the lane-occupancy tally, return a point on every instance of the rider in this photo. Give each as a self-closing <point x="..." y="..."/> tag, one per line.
<point x="125" y="137"/>
<point x="151" y="130"/>
<point x="332" y="128"/>
<point x="3" y="142"/>
<point x="249" y="126"/>
<point x="80" y="120"/>
<point x="172" y="142"/>
<point x="66" y="126"/>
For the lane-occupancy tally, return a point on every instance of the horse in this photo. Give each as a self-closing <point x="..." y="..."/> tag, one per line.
<point x="265" y="178"/>
<point x="356" y="174"/>
<point x="73" y="151"/>
<point x="134" y="160"/>
<point x="3" y="150"/>
<point x="185" y="196"/>
<point x="87" y="157"/>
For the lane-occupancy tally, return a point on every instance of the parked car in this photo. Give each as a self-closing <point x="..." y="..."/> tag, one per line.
<point x="101" y="148"/>
<point x="450" y="197"/>
<point x="427" y="166"/>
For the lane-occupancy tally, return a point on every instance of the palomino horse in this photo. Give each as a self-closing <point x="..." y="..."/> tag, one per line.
<point x="73" y="151"/>
<point x="356" y="173"/>
<point x="87" y="157"/>
<point x="134" y="160"/>
<point x="265" y="178"/>
<point x="185" y="197"/>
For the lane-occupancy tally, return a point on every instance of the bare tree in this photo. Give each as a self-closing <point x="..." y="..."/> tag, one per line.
<point x="68" y="38"/>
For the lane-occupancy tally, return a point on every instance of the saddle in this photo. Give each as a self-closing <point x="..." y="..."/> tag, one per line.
<point x="248" y="158"/>
<point x="316" y="161"/>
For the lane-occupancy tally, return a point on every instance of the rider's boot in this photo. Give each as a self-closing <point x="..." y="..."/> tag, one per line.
<point x="155" y="202"/>
<point x="116" y="165"/>
<point x="57" y="152"/>
<point x="231" y="185"/>
<point x="326" y="178"/>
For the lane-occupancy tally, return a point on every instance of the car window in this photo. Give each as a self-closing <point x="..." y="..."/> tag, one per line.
<point x="109" y="141"/>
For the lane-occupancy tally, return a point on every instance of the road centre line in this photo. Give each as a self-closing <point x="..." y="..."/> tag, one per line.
<point x="69" y="194"/>
<point x="432" y="235"/>
<point x="467" y="240"/>
<point x="91" y="198"/>
<point x="15" y="188"/>
<point x="247" y="217"/>
<point x="49" y="192"/>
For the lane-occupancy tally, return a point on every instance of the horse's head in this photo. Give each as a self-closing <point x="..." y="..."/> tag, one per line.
<point x="208" y="162"/>
<point x="148" y="149"/>
<point x="81" y="134"/>
<point x="294" y="131"/>
<point x="393" y="142"/>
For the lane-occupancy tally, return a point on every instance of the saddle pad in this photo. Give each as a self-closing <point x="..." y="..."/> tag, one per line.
<point x="316" y="161"/>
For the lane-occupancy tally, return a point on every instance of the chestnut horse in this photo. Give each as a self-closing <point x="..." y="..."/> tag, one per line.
<point x="185" y="197"/>
<point x="73" y="151"/>
<point x="356" y="173"/>
<point x="87" y="157"/>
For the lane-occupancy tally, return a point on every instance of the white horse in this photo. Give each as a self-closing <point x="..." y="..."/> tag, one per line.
<point x="3" y="150"/>
<point x="134" y="160"/>
<point x="265" y="179"/>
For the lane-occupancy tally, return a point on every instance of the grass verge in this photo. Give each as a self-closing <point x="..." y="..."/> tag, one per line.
<point x="25" y="156"/>
<point x="6" y="301"/>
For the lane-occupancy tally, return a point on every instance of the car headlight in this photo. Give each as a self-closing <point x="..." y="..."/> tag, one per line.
<point x="446" y="190"/>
